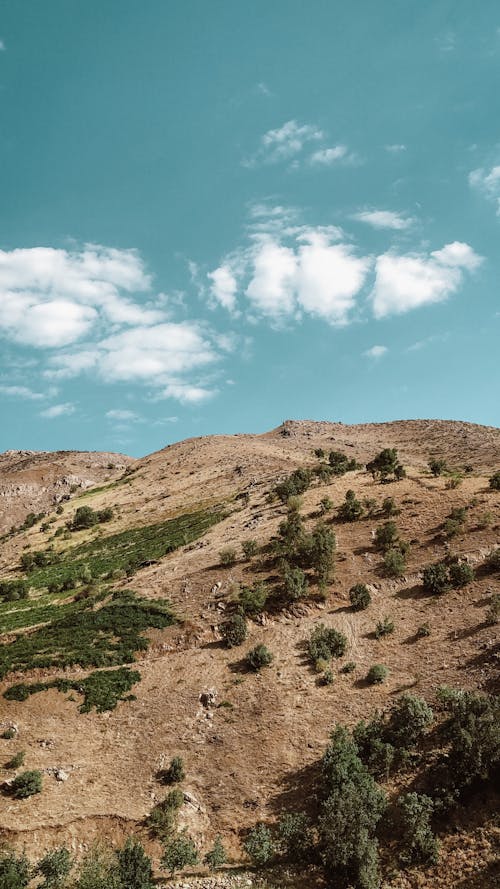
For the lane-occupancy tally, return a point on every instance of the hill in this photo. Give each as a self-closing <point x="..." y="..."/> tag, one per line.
<point x="163" y="527"/>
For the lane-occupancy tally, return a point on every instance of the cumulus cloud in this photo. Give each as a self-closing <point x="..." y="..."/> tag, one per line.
<point x="224" y="287"/>
<point x="487" y="182"/>
<point x="376" y="352"/>
<point x="382" y="219"/>
<point x="58" y="410"/>
<point x="328" y="156"/>
<point x="408" y="281"/>
<point x="284" y="143"/>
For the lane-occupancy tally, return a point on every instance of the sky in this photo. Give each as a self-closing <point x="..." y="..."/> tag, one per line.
<point x="218" y="215"/>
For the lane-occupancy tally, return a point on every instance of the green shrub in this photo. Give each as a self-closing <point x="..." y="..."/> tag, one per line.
<point x="492" y="561"/>
<point x="175" y="772"/>
<point x="340" y="463"/>
<point x="295" y="838"/>
<point x="250" y="548"/>
<point x="259" y="845"/>
<point x="325" y="643"/>
<point x="461" y="574"/>
<point x="494" y="481"/>
<point x="294" y="485"/>
<point x="384" y="627"/>
<point x="351" y="509"/>
<point x="161" y="820"/>
<point x="17" y="760"/>
<point x="55" y="868"/>
<point x="8" y="734"/>
<point x="394" y="563"/>
<point x="26" y="784"/>
<point x="15" y="870"/>
<point x="359" y="596"/>
<point x="98" y="870"/>
<point x="419" y="845"/>
<point x="454" y="481"/>
<point x="422" y="631"/>
<point x="384" y="464"/>
<point x="295" y="584"/>
<point x="318" y="552"/>
<point x="452" y="528"/>
<point x="377" y="674"/>
<point x="252" y="600"/>
<point x="101" y="690"/>
<point x="227" y="557"/>
<point x="13" y="590"/>
<point x="290" y="533"/>
<point x="178" y="853"/>
<point x="437" y="466"/>
<point x="259" y="657"/>
<point x="234" y="630"/>
<point x="319" y="453"/>
<point x="389" y="507"/>
<point x="436" y="579"/>
<point x="325" y="505"/>
<point x="349" y="667"/>
<point x="386" y="536"/>
<point x="134" y="866"/>
<point x="217" y="856"/>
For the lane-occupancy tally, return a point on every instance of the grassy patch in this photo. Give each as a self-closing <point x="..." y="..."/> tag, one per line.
<point x="126" y="551"/>
<point x="91" y="637"/>
<point x="101" y="690"/>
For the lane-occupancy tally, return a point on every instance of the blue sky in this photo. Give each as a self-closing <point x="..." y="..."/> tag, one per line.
<point x="218" y="215"/>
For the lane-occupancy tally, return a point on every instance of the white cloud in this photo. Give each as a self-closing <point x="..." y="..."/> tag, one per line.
<point x="487" y="182"/>
<point x="384" y="219"/>
<point x="405" y="282"/>
<point x="58" y="410"/>
<point x="271" y="285"/>
<point x="284" y="143"/>
<point x="224" y="287"/>
<point x="2" y="45"/>
<point x="122" y="416"/>
<point x="376" y="352"/>
<point x="395" y="148"/>
<point x="21" y="392"/>
<point x="328" y="156"/>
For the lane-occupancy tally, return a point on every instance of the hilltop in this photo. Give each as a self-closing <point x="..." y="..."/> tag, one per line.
<point x="167" y="525"/>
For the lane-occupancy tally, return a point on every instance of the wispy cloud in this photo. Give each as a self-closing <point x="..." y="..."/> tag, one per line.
<point x="2" y="45"/>
<point x="21" y="392"/>
<point x="123" y="416"/>
<point x="58" y="410"/>
<point x="327" y="156"/>
<point x="408" y="281"/>
<point x="384" y="219"/>
<point x="284" y="143"/>
<point x="487" y="182"/>
<point x="376" y="352"/>
<point x="395" y="148"/>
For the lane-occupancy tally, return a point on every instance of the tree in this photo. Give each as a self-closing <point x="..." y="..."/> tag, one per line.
<point x="377" y="674"/>
<point x="252" y="600"/>
<point x="351" y="509"/>
<point x="134" y="866"/>
<point x="178" y="853"/>
<point x="384" y="464"/>
<point x="295" y="837"/>
<point x="55" y="867"/>
<point x="419" y="845"/>
<point x="325" y="643"/>
<point x="175" y="772"/>
<point x="359" y="596"/>
<point x="340" y="463"/>
<point x="217" y="856"/>
<point x="436" y="579"/>
<point x="321" y="547"/>
<point x="295" y="583"/>
<point x="461" y="574"/>
<point x="98" y="870"/>
<point x="259" y="657"/>
<point x="259" y="844"/>
<point x="386" y="535"/>
<point x="85" y="517"/>
<point x="295" y="484"/>
<point x="394" y="563"/>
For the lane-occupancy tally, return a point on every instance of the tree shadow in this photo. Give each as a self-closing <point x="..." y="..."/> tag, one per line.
<point x="413" y="592"/>
<point x="466" y="633"/>
<point x="299" y="790"/>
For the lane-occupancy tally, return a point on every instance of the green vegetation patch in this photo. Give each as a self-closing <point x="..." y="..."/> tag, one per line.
<point x="126" y="551"/>
<point x="92" y="637"/>
<point x="101" y="690"/>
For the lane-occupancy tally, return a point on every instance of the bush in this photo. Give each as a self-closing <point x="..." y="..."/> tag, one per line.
<point x="492" y="561"/>
<point x="436" y="579"/>
<point x="161" y="820"/>
<point x="319" y="550"/>
<point x="422" y="631"/>
<point x="17" y="761"/>
<point x="175" y="772"/>
<point x="259" y="845"/>
<point x="384" y="627"/>
<point x="386" y="536"/>
<point x="437" y="467"/>
<point x="351" y="509"/>
<point x="359" y="596"/>
<point x="389" y="506"/>
<point x="134" y="866"/>
<point x="85" y="517"/>
<point x="349" y="667"/>
<point x="178" y="853"/>
<point x="420" y="846"/>
<point x="494" y="481"/>
<point x="461" y="574"/>
<point x="98" y="870"/>
<point x="55" y="867"/>
<point x="217" y="856"/>
<point x="295" y="584"/>
<point x="340" y="463"/>
<point x="325" y="643"/>
<point x="252" y="600"/>
<point x="227" y="557"/>
<point x="259" y="657"/>
<point x="290" y="532"/>
<point x="13" y="590"/>
<point x="250" y="548"/>
<point x="26" y="784"/>
<point x="15" y="870"/>
<point x="493" y="613"/>
<point x="377" y="674"/>
<point x="325" y="505"/>
<point x="295" y="837"/>
<point x="394" y="563"/>
<point x="453" y="481"/>
<point x="294" y="485"/>
<point x="234" y="630"/>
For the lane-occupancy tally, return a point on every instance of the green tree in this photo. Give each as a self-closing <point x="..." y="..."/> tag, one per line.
<point x="295" y="584"/>
<point x="351" y="509"/>
<point x="259" y="845"/>
<point x="461" y="574"/>
<point x="359" y="596"/>
<point x="386" y="463"/>
<point x="320" y="552"/>
<point x="295" y="837"/>
<point x="259" y="657"/>
<point x="134" y="866"/>
<point x="436" y="579"/>
<point x="55" y="868"/>
<point x="98" y="870"/>
<point x="386" y="536"/>
<point x="179" y="852"/>
<point x="394" y="563"/>
<point x="325" y="643"/>
<point x="15" y="870"/>
<point x="419" y="845"/>
<point x="217" y="856"/>
<point x="234" y="630"/>
<point x="175" y="772"/>
<point x="26" y="784"/>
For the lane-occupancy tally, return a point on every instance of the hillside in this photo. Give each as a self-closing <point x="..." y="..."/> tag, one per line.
<point x="252" y="753"/>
